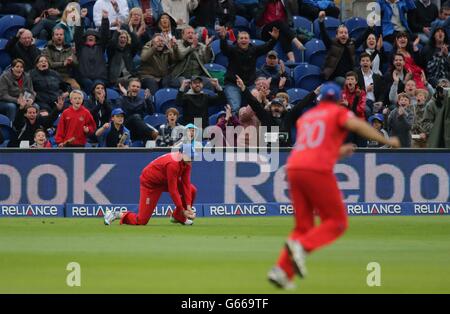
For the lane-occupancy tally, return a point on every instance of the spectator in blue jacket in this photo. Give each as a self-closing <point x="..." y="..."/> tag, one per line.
<point x="393" y="17"/>
<point x="114" y="134"/>
<point x="275" y="69"/>
<point x="311" y="8"/>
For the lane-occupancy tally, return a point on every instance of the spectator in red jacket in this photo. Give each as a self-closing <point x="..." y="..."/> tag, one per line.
<point x="76" y="123"/>
<point x="354" y="99"/>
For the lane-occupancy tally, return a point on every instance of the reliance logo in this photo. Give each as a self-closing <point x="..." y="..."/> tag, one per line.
<point x="374" y="209"/>
<point x="432" y="209"/>
<point x="29" y="210"/>
<point x="94" y="210"/>
<point x="237" y="210"/>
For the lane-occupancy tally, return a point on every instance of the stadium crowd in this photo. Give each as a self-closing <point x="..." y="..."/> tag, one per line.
<point x="122" y="73"/>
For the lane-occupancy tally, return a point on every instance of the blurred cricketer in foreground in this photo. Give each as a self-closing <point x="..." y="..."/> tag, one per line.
<point x="168" y="173"/>
<point x="321" y="133"/>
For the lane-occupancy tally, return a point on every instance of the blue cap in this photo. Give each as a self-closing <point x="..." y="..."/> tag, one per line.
<point x="191" y="126"/>
<point x="117" y="111"/>
<point x="377" y="116"/>
<point x="188" y="150"/>
<point x="330" y="91"/>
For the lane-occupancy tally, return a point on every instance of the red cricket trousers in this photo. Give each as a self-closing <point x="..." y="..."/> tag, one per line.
<point x="148" y="200"/>
<point x="314" y="192"/>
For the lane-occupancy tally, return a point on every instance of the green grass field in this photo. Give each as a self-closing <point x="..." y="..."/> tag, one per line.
<point x="219" y="255"/>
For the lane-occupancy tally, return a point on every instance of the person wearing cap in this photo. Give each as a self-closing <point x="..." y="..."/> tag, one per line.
<point x="90" y="47"/>
<point x="195" y="101"/>
<point x="171" y="173"/>
<point x="114" y="134"/>
<point x="277" y="118"/>
<point x="189" y="136"/>
<point x="275" y="69"/>
<point x="321" y="132"/>
<point x="377" y="121"/>
<point x="400" y="120"/>
<point x="75" y="123"/>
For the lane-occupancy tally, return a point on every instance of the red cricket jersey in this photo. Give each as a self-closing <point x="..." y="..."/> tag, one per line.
<point x="168" y="172"/>
<point x="71" y="124"/>
<point x="320" y="134"/>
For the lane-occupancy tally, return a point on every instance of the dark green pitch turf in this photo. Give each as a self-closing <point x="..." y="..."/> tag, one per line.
<point x="219" y="255"/>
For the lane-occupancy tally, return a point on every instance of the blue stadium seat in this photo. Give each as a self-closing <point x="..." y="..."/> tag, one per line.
<point x="112" y="94"/>
<point x="315" y="52"/>
<point x="241" y="24"/>
<point x="356" y="26"/>
<point x="219" y="57"/>
<point x="4" y="120"/>
<point x="8" y="134"/>
<point x="296" y="94"/>
<point x="302" y="22"/>
<point x="307" y="76"/>
<point x="166" y="98"/>
<point x="331" y="25"/>
<point x="10" y="24"/>
<point x="5" y="59"/>
<point x="279" y="50"/>
<point x="88" y="4"/>
<point x="217" y="108"/>
<point x="155" y="120"/>
<point x="213" y="118"/>
<point x="41" y="43"/>
<point x="215" y="67"/>
<point x="255" y="31"/>
<point x="6" y="130"/>
<point x="388" y="48"/>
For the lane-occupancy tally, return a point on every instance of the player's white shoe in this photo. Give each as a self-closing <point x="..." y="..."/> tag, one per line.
<point x="278" y="277"/>
<point x="188" y="221"/>
<point x="110" y="216"/>
<point x="298" y="255"/>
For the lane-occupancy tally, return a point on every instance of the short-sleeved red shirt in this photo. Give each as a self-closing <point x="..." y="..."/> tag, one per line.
<point x="320" y="134"/>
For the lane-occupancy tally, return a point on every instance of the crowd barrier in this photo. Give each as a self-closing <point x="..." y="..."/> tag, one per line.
<point x="221" y="210"/>
<point x="97" y="176"/>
